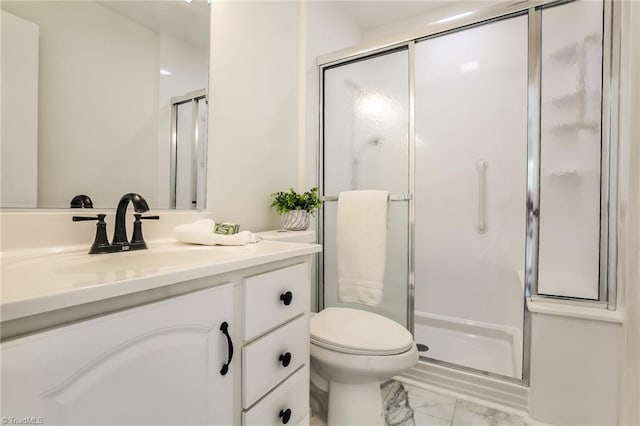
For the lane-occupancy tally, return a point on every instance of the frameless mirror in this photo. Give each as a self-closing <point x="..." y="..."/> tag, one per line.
<point x="103" y="98"/>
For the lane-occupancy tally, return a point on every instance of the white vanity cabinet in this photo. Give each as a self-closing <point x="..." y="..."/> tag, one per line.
<point x="161" y="361"/>
<point x="159" y="364"/>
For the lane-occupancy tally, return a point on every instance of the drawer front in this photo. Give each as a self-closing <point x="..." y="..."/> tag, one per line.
<point x="292" y="395"/>
<point x="275" y="297"/>
<point x="268" y="360"/>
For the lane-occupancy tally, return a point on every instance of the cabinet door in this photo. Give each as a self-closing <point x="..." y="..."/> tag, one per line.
<point x="156" y="364"/>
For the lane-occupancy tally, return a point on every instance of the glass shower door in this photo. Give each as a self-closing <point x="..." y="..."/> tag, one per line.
<point x="189" y="151"/>
<point x="470" y="208"/>
<point x="365" y="144"/>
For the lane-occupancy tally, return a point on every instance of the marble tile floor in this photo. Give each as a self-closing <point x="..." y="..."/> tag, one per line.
<point x="406" y="405"/>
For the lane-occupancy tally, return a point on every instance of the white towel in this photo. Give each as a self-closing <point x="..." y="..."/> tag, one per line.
<point x="361" y="245"/>
<point x="201" y="232"/>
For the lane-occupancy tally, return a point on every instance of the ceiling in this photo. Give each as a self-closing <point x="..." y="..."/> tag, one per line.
<point x="188" y="22"/>
<point x="371" y="14"/>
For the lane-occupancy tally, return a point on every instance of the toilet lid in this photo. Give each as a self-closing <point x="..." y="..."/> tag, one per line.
<point x="358" y="332"/>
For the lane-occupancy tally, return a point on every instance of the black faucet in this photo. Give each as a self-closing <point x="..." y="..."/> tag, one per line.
<point x="120" y="231"/>
<point x="120" y="241"/>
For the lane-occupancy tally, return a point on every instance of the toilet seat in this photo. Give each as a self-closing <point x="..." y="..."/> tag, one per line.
<point x="358" y="332"/>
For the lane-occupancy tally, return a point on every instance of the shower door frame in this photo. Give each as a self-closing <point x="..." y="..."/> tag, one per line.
<point x="609" y="228"/>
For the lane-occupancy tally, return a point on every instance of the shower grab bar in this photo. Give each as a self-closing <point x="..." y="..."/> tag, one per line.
<point x="400" y="197"/>
<point x="482" y="165"/>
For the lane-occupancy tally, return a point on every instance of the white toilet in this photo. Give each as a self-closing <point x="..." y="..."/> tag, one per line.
<point x="353" y="351"/>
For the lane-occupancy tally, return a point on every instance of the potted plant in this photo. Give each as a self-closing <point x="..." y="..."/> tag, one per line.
<point x="294" y="208"/>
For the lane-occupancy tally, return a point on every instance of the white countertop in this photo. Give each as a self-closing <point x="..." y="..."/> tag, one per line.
<point x="37" y="281"/>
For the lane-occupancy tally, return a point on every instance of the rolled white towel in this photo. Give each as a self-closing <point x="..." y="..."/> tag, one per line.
<point x="203" y="224"/>
<point x="201" y="232"/>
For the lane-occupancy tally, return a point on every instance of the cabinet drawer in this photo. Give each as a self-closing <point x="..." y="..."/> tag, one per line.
<point x="291" y="395"/>
<point x="263" y="361"/>
<point x="275" y="297"/>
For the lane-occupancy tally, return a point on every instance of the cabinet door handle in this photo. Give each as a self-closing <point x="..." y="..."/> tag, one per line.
<point x="224" y="327"/>
<point x="286" y="298"/>
<point x="285" y="415"/>
<point x="285" y="359"/>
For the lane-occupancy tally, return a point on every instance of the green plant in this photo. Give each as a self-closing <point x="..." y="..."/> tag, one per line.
<point x="291" y="200"/>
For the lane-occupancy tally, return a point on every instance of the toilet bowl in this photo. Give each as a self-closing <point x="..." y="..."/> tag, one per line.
<point x="354" y="351"/>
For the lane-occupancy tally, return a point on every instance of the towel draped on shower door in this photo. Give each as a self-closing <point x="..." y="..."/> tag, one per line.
<point x="361" y="245"/>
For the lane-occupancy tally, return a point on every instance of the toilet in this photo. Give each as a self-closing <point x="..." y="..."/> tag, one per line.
<point x="352" y="352"/>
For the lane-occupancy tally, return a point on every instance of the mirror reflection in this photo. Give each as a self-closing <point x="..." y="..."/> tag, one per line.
<point x="101" y="98"/>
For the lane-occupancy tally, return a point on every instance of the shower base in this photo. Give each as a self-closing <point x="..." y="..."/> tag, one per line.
<point x="481" y="346"/>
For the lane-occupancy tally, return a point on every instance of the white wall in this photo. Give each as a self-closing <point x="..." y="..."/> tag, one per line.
<point x="253" y="113"/>
<point x="19" y="140"/>
<point x="424" y="21"/>
<point x="574" y="371"/>
<point x="630" y="214"/>
<point x="327" y="29"/>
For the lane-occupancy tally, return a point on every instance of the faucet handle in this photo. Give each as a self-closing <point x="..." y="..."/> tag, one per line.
<point x="137" y="240"/>
<point x="99" y="217"/>
<point x="101" y="242"/>
<point x="140" y="217"/>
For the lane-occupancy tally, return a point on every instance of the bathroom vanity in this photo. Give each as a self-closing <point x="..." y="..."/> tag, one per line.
<point x="176" y="334"/>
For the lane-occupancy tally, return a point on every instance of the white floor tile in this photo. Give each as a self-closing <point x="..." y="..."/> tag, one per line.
<point x="422" y="419"/>
<point x="316" y="421"/>
<point x="470" y="414"/>
<point x="431" y="403"/>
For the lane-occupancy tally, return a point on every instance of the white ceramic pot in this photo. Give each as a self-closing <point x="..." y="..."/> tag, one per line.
<point x="295" y="220"/>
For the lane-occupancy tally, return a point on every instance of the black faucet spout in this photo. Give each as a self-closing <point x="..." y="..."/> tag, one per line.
<point x="139" y="205"/>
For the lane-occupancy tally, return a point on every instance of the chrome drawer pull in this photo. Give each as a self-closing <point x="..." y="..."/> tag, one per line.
<point x="285" y="359"/>
<point x="285" y="415"/>
<point x="286" y="298"/>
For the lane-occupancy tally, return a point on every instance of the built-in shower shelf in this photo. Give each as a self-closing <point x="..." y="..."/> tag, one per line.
<point x="579" y="96"/>
<point x="570" y="99"/>
<point x="565" y="174"/>
<point x="572" y="174"/>
<point x="590" y="126"/>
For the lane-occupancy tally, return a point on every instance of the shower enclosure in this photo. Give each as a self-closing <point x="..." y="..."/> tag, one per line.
<point x="492" y="139"/>
<point x="188" y="151"/>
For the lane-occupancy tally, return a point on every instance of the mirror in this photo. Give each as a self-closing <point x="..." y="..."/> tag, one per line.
<point x="103" y="98"/>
